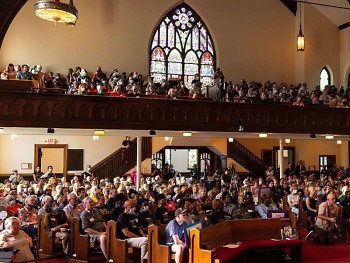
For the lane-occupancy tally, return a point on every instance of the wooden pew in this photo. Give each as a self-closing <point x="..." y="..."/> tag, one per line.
<point x="79" y="243"/>
<point x="16" y="85"/>
<point x="45" y="243"/>
<point x="208" y="244"/>
<point x="303" y="218"/>
<point x="156" y="251"/>
<point x="117" y="249"/>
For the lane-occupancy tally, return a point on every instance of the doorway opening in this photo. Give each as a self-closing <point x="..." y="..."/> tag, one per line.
<point x="52" y="154"/>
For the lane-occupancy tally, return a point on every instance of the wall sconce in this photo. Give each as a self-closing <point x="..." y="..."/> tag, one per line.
<point x="339" y="141"/>
<point x="262" y="135"/>
<point x="166" y="139"/>
<point x="13" y="137"/>
<point x="187" y="134"/>
<point x="1" y="130"/>
<point x="300" y="37"/>
<point x="287" y="140"/>
<point x="95" y="137"/>
<point x="230" y="139"/>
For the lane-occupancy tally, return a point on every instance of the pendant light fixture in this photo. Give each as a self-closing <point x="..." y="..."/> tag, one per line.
<point x="300" y="38"/>
<point x="56" y="11"/>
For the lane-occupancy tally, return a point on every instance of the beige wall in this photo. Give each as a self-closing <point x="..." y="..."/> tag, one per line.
<point x="306" y="150"/>
<point x="322" y="44"/>
<point x="254" y="39"/>
<point x="21" y="150"/>
<point x="344" y="56"/>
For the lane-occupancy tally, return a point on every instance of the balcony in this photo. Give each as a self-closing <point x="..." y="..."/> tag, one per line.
<point x="99" y="112"/>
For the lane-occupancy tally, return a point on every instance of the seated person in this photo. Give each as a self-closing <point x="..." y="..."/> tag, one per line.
<point x="293" y="202"/>
<point x="55" y="220"/>
<point x="13" y="237"/>
<point x="28" y="215"/>
<point x="265" y="205"/>
<point x="174" y="234"/>
<point x="161" y="214"/>
<point x="143" y="214"/>
<point x="129" y="230"/>
<point x="92" y="224"/>
<point x="218" y="215"/>
<point x="25" y="74"/>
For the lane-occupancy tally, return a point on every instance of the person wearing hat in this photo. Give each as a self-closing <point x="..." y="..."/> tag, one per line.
<point x="25" y="74"/>
<point x="15" y="177"/>
<point x="174" y="234"/>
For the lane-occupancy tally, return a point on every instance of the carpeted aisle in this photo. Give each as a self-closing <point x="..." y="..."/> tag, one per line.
<point x="315" y="253"/>
<point x="312" y="252"/>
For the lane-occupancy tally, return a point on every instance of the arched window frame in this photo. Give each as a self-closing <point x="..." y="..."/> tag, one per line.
<point x="326" y="70"/>
<point x="183" y="29"/>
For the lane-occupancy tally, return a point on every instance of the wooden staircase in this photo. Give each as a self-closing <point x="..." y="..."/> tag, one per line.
<point x="246" y="158"/>
<point x="122" y="160"/>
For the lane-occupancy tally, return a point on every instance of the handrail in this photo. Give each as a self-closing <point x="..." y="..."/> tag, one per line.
<point x="122" y="160"/>
<point x="246" y="158"/>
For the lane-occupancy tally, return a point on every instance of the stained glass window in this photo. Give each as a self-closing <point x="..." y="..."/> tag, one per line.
<point x="182" y="47"/>
<point x="325" y="78"/>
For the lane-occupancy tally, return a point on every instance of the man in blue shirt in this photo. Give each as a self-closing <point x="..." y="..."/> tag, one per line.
<point x="265" y="205"/>
<point x="174" y="234"/>
<point x="25" y="74"/>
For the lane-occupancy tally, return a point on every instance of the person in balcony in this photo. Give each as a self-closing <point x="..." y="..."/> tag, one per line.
<point x="25" y="74"/>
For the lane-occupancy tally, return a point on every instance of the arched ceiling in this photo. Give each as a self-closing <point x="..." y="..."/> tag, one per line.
<point x="9" y="9"/>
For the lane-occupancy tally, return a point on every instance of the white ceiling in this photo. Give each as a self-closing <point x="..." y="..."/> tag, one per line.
<point x="336" y="15"/>
<point x="133" y="133"/>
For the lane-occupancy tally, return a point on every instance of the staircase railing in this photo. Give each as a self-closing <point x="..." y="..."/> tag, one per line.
<point x="122" y="160"/>
<point x="246" y="158"/>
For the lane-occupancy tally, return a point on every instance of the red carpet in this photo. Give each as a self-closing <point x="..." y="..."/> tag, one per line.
<point x="315" y="253"/>
<point x="312" y="252"/>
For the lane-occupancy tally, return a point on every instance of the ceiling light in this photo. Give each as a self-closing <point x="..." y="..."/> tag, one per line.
<point x="1" y="130"/>
<point x="287" y="140"/>
<point x="230" y="139"/>
<point x="99" y="132"/>
<point x="300" y="37"/>
<point x="329" y="137"/>
<point x="187" y="134"/>
<point x="338" y="141"/>
<point x="56" y="11"/>
<point x="262" y="135"/>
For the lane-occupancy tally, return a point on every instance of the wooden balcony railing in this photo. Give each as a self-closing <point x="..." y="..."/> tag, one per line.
<point x="94" y="112"/>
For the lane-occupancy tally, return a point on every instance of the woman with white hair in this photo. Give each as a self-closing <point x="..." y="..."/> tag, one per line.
<point x="13" y="237"/>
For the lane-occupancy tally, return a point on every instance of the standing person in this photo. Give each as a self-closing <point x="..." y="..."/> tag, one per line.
<point x="325" y="222"/>
<point x="219" y="81"/>
<point x="174" y="235"/>
<point x="300" y="168"/>
<point x="130" y="230"/>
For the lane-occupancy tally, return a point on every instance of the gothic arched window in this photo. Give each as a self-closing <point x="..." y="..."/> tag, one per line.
<point x="325" y="78"/>
<point x="182" y="47"/>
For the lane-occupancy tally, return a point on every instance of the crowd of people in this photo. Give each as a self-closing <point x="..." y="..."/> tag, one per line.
<point x="172" y="199"/>
<point x="80" y="82"/>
